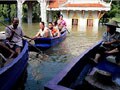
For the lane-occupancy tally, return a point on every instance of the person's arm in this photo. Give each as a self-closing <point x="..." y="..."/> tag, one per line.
<point x="58" y="22"/>
<point x="108" y="43"/>
<point x="65" y="23"/>
<point x="105" y="39"/>
<point x="112" y="51"/>
<point x="34" y="37"/>
<point x="58" y="33"/>
<point x="9" y="33"/>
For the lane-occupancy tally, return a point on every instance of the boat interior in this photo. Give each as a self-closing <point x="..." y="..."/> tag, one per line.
<point x="84" y="74"/>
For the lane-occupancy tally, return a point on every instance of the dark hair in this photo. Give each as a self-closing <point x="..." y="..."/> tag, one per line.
<point x="50" y="23"/>
<point x="55" y="22"/>
<point x="43" y="23"/>
<point x="112" y="29"/>
<point x="14" y="18"/>
<point x="61" y="15"/>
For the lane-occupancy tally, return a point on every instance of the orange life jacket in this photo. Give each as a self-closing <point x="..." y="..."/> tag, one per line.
<point x="54" y="31"/>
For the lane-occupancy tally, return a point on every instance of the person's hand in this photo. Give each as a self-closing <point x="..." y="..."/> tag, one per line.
<point x="106" y="51"/>
<point x="114" y="41"/>
<point x="13" y="31"/>
<point x="30" y="40"/>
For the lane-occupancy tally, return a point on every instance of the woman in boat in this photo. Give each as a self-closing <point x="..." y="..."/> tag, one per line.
<point x="61" y="24"/>
<point x="111" y="42"/>
<point x="43" y="32"/>
<point x="54" y="31"/>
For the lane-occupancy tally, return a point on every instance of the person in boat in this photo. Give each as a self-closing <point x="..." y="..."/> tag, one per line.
<point x="111" y="42"/>
<point x="54" y="31"/>
<point x="43" y="32"/>
<point x="13" y="42"/>
<point x="61" y="24"/>
<point x="55" y="24"/>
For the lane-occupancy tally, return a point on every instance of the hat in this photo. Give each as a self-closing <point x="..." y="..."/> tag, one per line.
<point x="112" y="23"/>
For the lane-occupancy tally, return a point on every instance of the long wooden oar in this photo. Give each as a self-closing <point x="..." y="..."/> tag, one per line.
<point x="67" y="30"/>
<point x="39" y="51"/>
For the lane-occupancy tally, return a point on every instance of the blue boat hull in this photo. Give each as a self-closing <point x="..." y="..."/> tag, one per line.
<point x="74" y="74"/>
<point x="46" y="43"/>
<point x="10" y="73"/>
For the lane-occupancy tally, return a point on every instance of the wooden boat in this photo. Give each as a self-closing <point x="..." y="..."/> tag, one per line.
<point x="76" y="76"/>
<point x="46" y="43"/>
<point x="10" y="72"/>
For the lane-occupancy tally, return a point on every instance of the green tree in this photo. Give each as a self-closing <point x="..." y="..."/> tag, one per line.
<point x="113" y="13"/>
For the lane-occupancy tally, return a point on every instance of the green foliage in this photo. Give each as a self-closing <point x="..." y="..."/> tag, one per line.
<point x="7" y="12"/>
<point x="55" y="15"/>
<point x="113" y="13"/>
<point x="35" y="12"/>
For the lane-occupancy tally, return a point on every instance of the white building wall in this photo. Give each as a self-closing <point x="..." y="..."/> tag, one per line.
<point x="67" y="19"/>
<point x="83" y="24"/>
<point x="82" y="19"/>
<point x="95" y="24"/>
<point x="43" y="10"/>
<point x="84" y="1"/>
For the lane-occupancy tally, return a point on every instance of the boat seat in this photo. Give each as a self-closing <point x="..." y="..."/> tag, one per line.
<point x="8" y="61"/>
<point x="111" y="59"/>
<point x="2" y="60"/>
<point x="109" y="67"/>
<point x="42" y="45"/>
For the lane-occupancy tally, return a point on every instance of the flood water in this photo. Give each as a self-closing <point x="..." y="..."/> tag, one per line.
<point x="42" y="69"/>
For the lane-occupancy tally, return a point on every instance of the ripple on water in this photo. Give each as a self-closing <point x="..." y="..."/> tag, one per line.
<point x="45" y="67"/>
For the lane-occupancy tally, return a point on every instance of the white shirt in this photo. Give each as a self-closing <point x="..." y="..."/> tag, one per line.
<point x="42" y="32"/>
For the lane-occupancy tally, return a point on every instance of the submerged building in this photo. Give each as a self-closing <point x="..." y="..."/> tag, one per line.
<point x="82" y="13"/>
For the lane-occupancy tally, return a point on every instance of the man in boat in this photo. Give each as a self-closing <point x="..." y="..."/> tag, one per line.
<point x="111" y="42"/>
<point x="54" y="31"/>
<point x="43" y="32"/>
<point x="61" y="24"/>
<point x="14" y="34"/>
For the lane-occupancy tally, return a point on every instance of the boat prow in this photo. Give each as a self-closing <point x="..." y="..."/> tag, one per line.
<point x="11" y="71"/>
<point x="77" y="75"/>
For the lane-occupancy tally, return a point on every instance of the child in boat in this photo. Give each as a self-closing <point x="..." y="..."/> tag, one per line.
<point x="54" y="31"/>
<point x="111" y="42"/>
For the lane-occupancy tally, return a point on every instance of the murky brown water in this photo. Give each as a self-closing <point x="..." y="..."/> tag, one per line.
<point x="42" y="69"/>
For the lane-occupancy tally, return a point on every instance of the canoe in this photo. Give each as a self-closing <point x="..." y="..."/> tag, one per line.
<point x="46" y="43"/>
<point x="10" y="72"/>
<point x="76" y="76"/>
